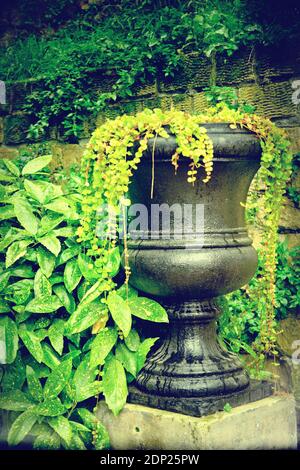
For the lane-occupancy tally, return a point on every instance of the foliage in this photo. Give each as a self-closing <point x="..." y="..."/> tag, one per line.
<point x="239" y="325"/>
<point x="66" y="60"/>
<point x="67" y="324"/>
<point x="292" y="191"/>
<point x="276" y="20"/>
<point x="109" y="163"/>
<point x="217" y="95"/>
<point x="275" y="171"/>
<point x="287" y="281"/>
<point x="61" y="340"/>
<point x="293" y="194"/>
<point x="67" y="311"/>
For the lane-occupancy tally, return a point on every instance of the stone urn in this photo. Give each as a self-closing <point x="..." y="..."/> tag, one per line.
<point x="189" y="371"/>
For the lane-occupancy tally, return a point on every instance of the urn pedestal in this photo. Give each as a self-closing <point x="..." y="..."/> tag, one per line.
<point x="187" y="266"/>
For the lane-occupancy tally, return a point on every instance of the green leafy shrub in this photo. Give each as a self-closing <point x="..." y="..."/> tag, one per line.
<point x="83" y="37"/>
<point x="60" y="345"/>
<point x="293" y="191"/>
<point x="287" y="281"/>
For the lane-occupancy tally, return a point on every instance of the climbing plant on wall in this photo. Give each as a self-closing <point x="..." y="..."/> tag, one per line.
<point x="64" y="43"/>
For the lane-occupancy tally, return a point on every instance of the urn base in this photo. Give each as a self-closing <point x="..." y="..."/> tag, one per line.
<point x="201" y="406"/>
<point x="189" y="362"/>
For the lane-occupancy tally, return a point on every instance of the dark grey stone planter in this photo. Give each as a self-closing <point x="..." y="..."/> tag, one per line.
<point x="189" y="371"/>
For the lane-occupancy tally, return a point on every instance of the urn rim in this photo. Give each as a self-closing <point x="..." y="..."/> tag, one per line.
<point x="228" y="143"/>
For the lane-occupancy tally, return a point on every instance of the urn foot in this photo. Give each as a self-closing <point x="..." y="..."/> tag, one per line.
<point x="201" y="406"/>
<point x="190" y="370"/>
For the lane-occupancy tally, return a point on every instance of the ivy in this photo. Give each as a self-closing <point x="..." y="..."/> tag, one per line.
<point x="67" y="321"/>
<point x="239" y="324"/>
<point x="80" y="40"/>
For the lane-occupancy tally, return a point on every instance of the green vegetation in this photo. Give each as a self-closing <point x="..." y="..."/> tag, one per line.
<point x="67" y="310"/>
<point x="292" y="191"/>
<point x="56" y="330"/>
<point x="115" y="41"/>
<point x="217" y="96"/>
<point x="239" y="324"/>
<point x="136" y="41"/>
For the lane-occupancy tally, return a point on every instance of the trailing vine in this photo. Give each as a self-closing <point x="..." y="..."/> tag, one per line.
<point x="109" y="163"/>
<point x="274" y="172"/>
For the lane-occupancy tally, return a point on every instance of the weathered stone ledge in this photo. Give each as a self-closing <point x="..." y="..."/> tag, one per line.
<point x="265" y="424"/>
